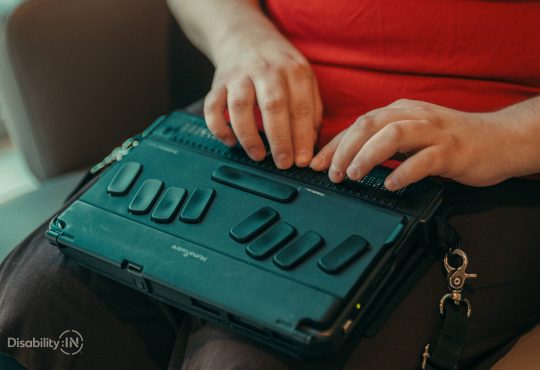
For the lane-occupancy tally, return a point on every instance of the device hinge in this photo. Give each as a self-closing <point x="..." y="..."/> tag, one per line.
<point x="53" y="236"/>
<point x="425" y="232"/>
<point x="55" y="231"/>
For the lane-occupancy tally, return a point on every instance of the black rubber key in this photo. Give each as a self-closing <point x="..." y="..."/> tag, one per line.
<point x="145" y="197"/>
<point x="296" y="252"/>
<point x="254" y="184"/>
<point x="124" y="178"/>
<point x="344" y="254"/>
<point x="197" y="205"/>
<point x="168" y="205"/>
<point x="270" y="241"/>
<point x="255" y="224"/>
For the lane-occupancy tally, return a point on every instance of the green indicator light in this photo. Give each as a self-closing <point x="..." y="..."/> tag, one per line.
<point x="358" y="306"/>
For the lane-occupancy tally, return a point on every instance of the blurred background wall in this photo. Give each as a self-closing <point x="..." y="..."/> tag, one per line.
<point x="15" y="176"/>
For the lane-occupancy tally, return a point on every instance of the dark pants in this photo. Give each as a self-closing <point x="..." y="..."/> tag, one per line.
<point x="42" y="294"/>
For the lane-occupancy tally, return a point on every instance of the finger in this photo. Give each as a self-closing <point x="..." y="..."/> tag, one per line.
<point x="351" y="143"/>
<point x="240" y="102"/>
<point x="214" y="108"/>
<point x="322" y="160"/>
<point x="272" y="98"/>
<point x="301" y="115"/>
<point x="360" y="132"/>
<point x="427" y="162"/>
<point x="318" y="114"/>
<point x="317" y="117"/>
<point x="396" y="137"/>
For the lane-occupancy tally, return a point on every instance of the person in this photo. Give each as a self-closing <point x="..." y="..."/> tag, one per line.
<point x="364" y="83"/>
<point x="451" y="85"/>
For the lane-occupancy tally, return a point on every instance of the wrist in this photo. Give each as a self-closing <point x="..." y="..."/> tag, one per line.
<point x="235" y="41"/>
<point x="242" y="27"/>
<point x="214" y="26"/>
<point x="516" y="142"/>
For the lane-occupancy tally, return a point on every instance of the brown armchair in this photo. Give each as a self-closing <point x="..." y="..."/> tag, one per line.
<point x="77" y="78"/>
<point x="90" y="73"/>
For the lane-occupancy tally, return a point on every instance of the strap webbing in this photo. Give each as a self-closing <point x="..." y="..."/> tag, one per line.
<point x="447" y="344"/>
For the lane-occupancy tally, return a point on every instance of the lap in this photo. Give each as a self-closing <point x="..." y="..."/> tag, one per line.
<point x="501" y="241"/>
<point x="42" y="294"/>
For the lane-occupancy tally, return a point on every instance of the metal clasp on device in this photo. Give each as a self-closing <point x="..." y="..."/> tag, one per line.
<point x="116" y="155"/>
<point x="456" y="280"/>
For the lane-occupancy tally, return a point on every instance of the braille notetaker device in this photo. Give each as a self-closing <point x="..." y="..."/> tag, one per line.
<point x="286" y="258"/>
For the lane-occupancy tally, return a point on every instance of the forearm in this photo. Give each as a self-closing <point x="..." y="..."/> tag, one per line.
<point x="212" y="24"/>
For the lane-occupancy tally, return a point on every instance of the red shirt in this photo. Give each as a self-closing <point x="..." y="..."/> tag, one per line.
<point x="469" y="55"/>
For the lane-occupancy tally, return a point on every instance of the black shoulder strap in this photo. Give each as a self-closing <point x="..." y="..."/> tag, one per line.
<point x="446" y="346"/>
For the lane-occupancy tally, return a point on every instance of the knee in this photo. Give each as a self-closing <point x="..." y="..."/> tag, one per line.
<point x="33" y="289"/>
<point x="213" y="348"/>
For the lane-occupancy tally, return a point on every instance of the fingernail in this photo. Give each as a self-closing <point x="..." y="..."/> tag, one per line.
<point x="316" y="162"/>
<point x="256" y="153"/>
<point x="353" y="172"/>
<point x="302" y="160"/>
<point x="391" y="184"/>
<point x="229" y="141"/>
<point x="336" y="175"/>
<point x="282" y="161"/>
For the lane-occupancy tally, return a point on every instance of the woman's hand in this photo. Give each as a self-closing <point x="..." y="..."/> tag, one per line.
<point x="255" y="65"/>
<point x="476" y="149"/>
<point x="262" y="68"/>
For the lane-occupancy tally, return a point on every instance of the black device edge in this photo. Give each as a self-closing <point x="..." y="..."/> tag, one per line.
<point x="54" y="234"/>
<point x="413" y="267"/>
<point x="310" y="342"/>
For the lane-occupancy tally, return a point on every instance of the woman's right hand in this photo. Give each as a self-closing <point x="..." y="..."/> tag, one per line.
<point x="262" y="68"/>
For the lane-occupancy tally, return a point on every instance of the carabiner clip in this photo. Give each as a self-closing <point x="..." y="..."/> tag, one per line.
<point x="457" y="275"/>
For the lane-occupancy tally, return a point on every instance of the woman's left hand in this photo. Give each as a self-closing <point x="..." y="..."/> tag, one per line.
<point x="477" y="149"/>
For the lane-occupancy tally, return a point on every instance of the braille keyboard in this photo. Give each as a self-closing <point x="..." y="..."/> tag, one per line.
<point x="264" y="232"/>
<point x="258" y="229"/>
<point x="267" y="252"/>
